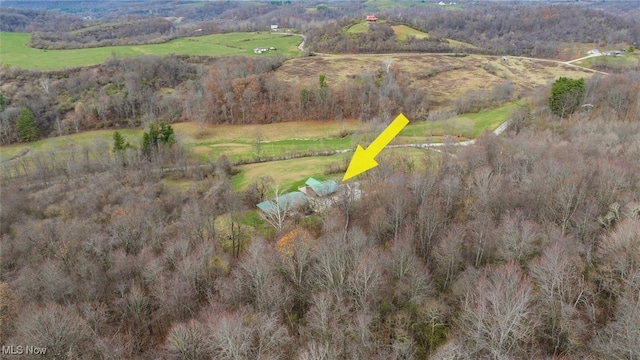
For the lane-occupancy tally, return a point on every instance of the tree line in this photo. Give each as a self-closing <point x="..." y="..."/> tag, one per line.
<point x="140" y="31"/>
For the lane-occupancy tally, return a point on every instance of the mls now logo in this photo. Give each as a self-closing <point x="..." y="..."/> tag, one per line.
<point x="23" y="350"/>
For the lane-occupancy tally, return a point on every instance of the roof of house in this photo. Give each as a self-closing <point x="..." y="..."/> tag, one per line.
<point x="282" y="202"/>
<point x="371" y="17"/>
<point x="322" y="188"/>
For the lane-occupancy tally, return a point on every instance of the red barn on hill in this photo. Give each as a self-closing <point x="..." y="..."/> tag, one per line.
<point x="371" y="18"/>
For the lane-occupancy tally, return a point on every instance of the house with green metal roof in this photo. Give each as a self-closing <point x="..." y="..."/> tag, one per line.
<point x="284" y="203"/>
<point x="314" y="194"/>
<point x="315" y="188"/>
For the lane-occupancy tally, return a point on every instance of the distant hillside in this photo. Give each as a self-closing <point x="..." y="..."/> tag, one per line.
<point x="403" y="33"/>
<point x="351" y="36"/>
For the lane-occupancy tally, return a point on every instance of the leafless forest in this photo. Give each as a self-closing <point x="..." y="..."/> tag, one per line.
<point x="522" y="246"/>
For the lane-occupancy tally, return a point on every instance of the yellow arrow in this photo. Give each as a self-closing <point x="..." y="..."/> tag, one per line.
<point x="364" y="160"/>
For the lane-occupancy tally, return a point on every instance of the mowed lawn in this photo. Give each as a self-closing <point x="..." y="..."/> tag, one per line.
<point x="15" y="52"/>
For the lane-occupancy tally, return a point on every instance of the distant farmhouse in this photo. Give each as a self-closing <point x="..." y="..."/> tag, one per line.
<point x="260" y="50"/>
<point x="612" y="53"/>
<point x="371" y="18"/>
<point x="274" y="27"/>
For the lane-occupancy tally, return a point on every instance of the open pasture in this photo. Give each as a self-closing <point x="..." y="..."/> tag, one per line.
<point x="15" y="51"/>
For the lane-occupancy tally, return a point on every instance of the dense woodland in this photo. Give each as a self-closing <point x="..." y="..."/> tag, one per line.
<point x="525" y="245"/>
<point x="522" y="246"/>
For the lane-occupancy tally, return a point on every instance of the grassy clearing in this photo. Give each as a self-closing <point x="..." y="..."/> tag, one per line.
<point x="287" y="173"/>
<point x="402" y="32"/>
<point x="191" y="133"/>
<point x="15" y="52"/>
<point x="249" y="151"/>
<point x="61" y="143"/>
<point x="466" y="126"/>
<point x="625" y="61"/>
<point x="359" y="28"/>
<point x="238" y="143"/>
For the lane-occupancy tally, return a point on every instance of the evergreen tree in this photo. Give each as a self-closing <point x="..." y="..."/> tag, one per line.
<point x="25" y="126"/>
<point x="566" y="95"/>
<point x="166" y="134"/>
<point x="3" y="104"/>
<point x="119" y="142"/>
<point x="146" y="144"/>
<point x="152" y="139"/>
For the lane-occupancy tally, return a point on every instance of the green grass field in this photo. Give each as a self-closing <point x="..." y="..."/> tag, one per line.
<point x="625" y="61"/>
<point x="61" y="143"/>
<point x="401" y="31"/>
<point x="15" y="52"/>
<point x="467" y="126"/>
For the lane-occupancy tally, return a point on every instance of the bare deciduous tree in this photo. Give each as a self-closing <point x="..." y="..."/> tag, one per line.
<point x="188" y="341"/>
<point x="618" y="255"/>
<point x="278" y="210"/>
<point x="562" y="289"/>
<point x="619" y="339"/>
<point x="61" y="330"/>
<point x="498" y="316"/>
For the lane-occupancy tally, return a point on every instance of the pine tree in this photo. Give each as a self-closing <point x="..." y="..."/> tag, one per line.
<point x="25" y="126"/>
<point x="166" y="134"/>
<point x="156" y="136"/>
<point x="119" y="142"/>
<point x="566" y="95"/>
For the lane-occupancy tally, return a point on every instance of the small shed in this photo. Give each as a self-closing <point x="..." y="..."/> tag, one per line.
<point x="274" y="27"/>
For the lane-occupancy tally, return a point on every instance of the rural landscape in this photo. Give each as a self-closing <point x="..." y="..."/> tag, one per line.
<point x="173" y="179"/>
